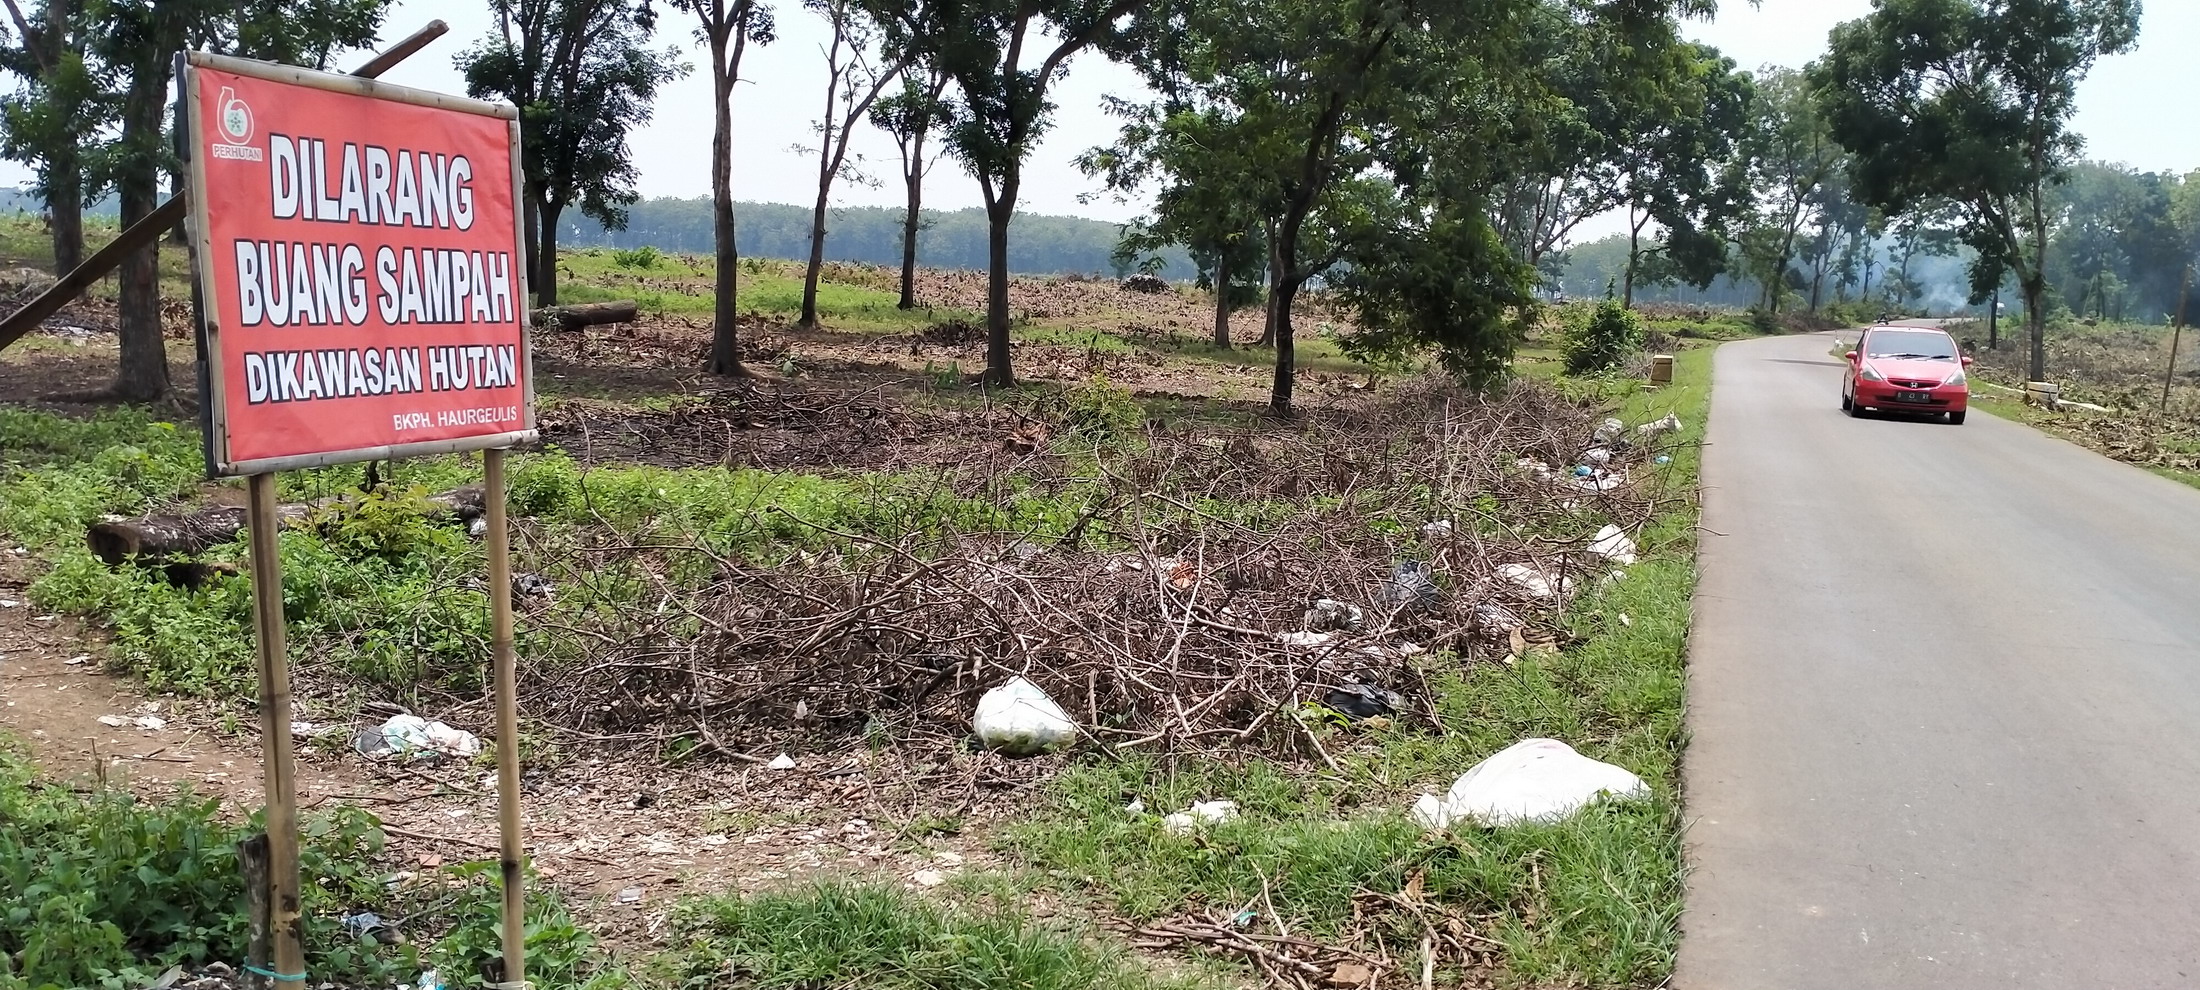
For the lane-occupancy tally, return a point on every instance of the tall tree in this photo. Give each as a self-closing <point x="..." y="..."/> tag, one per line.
<point x="910" y="117"/>
<point x="138" y="40"/>
<point x="1970" y="101"/>
<point x="727" y="28"/>
<point x="855" y="76"/>
<point x="982" y="45"/>
<point x="582" y="78"/>
<point x="1207" y="200"/>
<point x="1682" y="168"/>
<point x="1793" y="153"/>
<point x="53" y="122"/>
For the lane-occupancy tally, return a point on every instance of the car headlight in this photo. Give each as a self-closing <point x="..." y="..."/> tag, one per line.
<point x="1871" y="374"/>
<point x="1956" y="379"/>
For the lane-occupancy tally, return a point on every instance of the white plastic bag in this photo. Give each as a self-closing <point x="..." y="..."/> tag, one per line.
<point x="1200" y="813"/>
<point x="1613" y="544"/>
<point x="1534" y="780"/>
<point x="1019" y="719"/>
<point x="1535" y="582"/>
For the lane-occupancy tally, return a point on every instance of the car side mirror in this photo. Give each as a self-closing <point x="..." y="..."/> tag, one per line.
<point x="1851" y="356"/>
<point x="1967" y="361"/>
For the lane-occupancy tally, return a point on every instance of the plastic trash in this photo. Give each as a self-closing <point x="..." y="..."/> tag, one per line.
<point x="1610" y="430"/>
<point x="1583" y="471"/>
<point x="1306" y="640"/>
<point x="780" y="762"/>
<point x="1328" y="614"/>
<point x="1492" y="617"/>
<point x="1534" y="780"/>
<point x="1437" y="530"/>
<point x="1599" y="456"/>
<point x="1536" y="583"/>
<point x="1670" y="424"/>
<point x="1019" y="719"/>
<point x="1663" y="459"/>
<point x="1413" y="583"/>
<point x="410" y="736"/>
<point x="1613" y="544"/>
<point x="1363" y="700"/>
<point x="430" y="980"/>
<point x="1200" y="813"/>
<point x="1600" y="483"/>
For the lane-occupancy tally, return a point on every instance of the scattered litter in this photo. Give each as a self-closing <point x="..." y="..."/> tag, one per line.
<point x="150" y="723"/>
<point x="928" y="878"/>
<point x="1625" y="621"/>
<point x="1306" y="640"/>
<point x="1536" y="583"/>
<point x="113" y="721"/>
<point x="1610" y="430"/>
<point x="429" y="980"/>
<point x="631" y="895"/>
<point x="527" y="585"/>
<point x="1492" y="617"/>
<point x="367" y="923"/>
<point x="1670" y="424"/>
<point x="73" y="661"/>
<point x="1535" y="780"/>
<point x="1599" y="456"/>
<point x="1584" y="471"/>
<point x="1600" y="482"/>
<point x="302" y="730"/>
<point x="1613" y="544"/>
<point x="780" y="762"/>
<point x="1437" y="530"/>
<point x="476" y="527"/>
<point x="1328" y="614"/>
<point x="1413" y="583"/>
<point x="10" y="603"/>
<point x="411" y="737"/>
<point x="1351" y="974"/>
<point x="1200" y="813"/>
<point x="1019" y="719"/>
<point x="1663" y="459"/>
<point x="167" y="979"/>
<point x="1137" y="806"/>
<point x="1363" y="700"/>
<point x="1244" y="918"/>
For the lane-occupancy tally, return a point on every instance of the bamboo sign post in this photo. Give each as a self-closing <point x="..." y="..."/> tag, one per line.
<point x="357" y="265"/>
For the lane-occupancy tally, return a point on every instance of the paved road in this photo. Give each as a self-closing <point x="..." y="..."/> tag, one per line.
<point x="1944" y="702"/>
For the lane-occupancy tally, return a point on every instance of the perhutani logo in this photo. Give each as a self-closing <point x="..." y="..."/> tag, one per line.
<point x="234" y="128"/>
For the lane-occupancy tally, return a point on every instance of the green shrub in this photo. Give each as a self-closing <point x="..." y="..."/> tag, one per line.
<point x="1610" y="336"/>
<point x="644" y="257"/>
<point x="1096" y="410"/>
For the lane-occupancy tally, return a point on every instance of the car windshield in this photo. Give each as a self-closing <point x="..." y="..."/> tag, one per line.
<point x="1916" y="344"/>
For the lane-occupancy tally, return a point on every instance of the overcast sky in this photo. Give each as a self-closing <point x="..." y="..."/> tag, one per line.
<point x="2121" y="104"/>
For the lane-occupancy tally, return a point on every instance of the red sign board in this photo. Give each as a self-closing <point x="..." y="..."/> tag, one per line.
<point x="362" y="287"/>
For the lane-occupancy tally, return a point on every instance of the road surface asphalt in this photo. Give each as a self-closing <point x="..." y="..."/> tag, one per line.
<point x="1944" y="701"/>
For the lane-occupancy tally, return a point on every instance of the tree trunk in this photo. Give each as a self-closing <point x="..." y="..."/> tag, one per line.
<point x="584" y="315"/>
<point x="725" y="339"/>
<point x="817" y="252"/>
<point x="143" y="372"/>
<point x="530" y="233"/>
<point x="910" y="223"/>
<point x="156" y="538"/>
<point x="1275" y="293"/>
<point x="65" y="206"/>
<point x="1279" y="400"/>
<point x="2035" y="319"/>
<point x="998" y="371"/>
<point x="546" y="280"/>
<point x="1222" y="298"/>
<point x="1634" y="257"/>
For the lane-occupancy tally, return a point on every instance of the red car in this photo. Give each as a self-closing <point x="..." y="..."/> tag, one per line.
<point x="1916" y="370"/>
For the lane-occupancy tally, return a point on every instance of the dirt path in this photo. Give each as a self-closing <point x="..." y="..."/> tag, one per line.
<point x="623" y="839"/>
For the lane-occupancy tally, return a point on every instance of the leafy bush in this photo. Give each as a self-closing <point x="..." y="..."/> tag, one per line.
<point x="103" y="890"/>
<point x="1096" y="410"/>
<point x="1607" y="338"/>
<point x="644" y="257"/>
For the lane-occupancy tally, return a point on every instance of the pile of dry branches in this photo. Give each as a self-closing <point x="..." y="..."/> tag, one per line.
<point x="1166" y="616"/>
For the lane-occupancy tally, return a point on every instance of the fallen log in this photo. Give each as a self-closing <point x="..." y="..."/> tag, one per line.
<point x="585" y="315"/>
<point x="156" y="538"/>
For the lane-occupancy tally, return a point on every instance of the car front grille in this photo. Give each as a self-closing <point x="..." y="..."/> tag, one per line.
<point x="1913" y="384"/>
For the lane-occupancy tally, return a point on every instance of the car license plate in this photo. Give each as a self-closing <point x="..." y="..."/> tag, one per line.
<point x="1913" y="397"/>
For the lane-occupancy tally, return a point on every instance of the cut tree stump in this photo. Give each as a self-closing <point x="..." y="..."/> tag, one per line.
<point x="156" y="538"/>
<point x="585" y="315"/>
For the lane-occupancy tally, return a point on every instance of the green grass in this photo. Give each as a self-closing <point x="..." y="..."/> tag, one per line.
<point x="1593" y="901"/>
<point x="842" y="933"/>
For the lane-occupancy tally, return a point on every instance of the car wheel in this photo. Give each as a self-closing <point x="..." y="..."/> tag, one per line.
<point x="1846" y="404"/>
<point x="1955" y="419"/>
